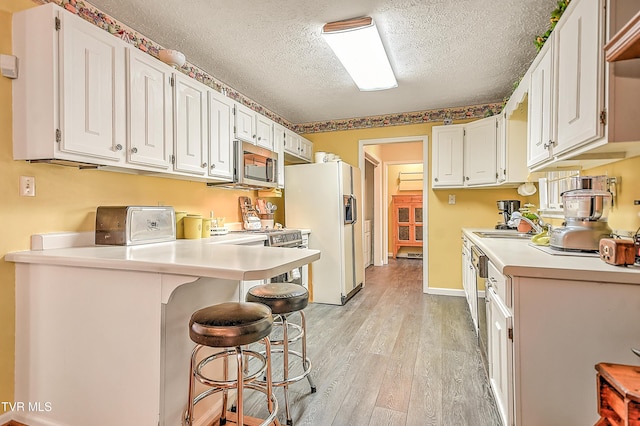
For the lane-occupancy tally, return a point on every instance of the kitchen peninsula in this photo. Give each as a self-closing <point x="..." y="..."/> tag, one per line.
<point x="102" y="331"/>
<point x="551" y="318"/>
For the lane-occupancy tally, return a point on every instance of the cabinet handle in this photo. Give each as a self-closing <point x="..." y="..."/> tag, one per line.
<point x="259" y="138"/>
<point x="213" y="166"/>
<point x="436" y="179"/>
<point x="204" y="165"/>
<point x="253" y="137"/>
<point x="118" y="147"/>
<point x="467" y="178"/>
<point x="134" y="150"/>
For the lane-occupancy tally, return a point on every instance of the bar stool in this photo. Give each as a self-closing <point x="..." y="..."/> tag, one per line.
<point x="229" y="326"/>
<point x="285" y="299"/>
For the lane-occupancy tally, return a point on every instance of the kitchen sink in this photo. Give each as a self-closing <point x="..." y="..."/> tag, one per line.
<point x="503" y="234"/>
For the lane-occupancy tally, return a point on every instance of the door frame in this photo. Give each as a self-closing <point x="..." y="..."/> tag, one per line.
<point x="380" y="219"/>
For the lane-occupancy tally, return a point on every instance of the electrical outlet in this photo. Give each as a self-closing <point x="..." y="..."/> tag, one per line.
<point x="27" y="186"/>
<point x="452" y="199"/>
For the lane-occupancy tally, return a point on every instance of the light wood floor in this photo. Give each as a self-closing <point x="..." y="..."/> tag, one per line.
<point x="392" y="356"/>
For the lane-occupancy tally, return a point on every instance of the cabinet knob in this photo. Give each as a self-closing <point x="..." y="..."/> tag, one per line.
<point x="119" y="147"/>
<point x="466" y="178"/>
<point x="253" y="137"/>
<point x="259" y="138"/>
<point x="134" y="150"/>
<point x="213" y="166"/>
<point x="436" y="179"/>
<point x="204" y="165"/>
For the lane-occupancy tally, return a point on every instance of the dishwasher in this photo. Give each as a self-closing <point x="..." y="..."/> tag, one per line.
<point x="480" y="263"/>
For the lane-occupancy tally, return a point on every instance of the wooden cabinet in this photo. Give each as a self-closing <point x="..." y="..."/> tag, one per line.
<point x="150" y="139"/>
<point x="480" y="152"/>
<point x="69" y="103"/>
<point x="618" y="394"/>
<point x="541" y="126"/>
<point x="220" y="130"/>
<point x="190" y="107"/>
<point x="407" y="221"/>
<point x="447" y="155"/>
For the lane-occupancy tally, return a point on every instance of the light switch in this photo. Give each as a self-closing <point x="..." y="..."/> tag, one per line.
<point x="27" y="186"/>
<point x="452" y="199"/>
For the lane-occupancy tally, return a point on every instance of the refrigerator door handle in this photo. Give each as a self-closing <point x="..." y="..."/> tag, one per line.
<point x="354" y="208"/>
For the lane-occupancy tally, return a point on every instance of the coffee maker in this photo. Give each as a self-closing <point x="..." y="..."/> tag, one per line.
<point x="506" y="209"/>
<point x="586" y="207"/>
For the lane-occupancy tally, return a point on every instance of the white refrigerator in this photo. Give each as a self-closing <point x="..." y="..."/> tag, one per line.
<point x="326" y="198"/>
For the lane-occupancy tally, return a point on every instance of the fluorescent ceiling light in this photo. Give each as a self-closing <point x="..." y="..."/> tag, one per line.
<point x="357" y="44"/>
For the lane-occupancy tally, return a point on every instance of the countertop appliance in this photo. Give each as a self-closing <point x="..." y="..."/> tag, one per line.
<point x="585" y="212"/>
<point x="131" y="225"/>
<point x="506" y="209"/>
<point x="325" y="197"/>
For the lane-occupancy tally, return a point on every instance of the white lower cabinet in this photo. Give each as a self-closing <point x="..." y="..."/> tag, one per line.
<point x="500" y="354"/>
<point x="190" y="107"/>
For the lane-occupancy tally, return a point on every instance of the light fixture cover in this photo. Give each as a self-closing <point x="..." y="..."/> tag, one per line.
<point x="357" y="44"/>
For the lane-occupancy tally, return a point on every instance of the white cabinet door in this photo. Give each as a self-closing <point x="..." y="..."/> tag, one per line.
<point x="278" y="144"/>
<point x="480" y="152"/>
<point x="501" y="147"/>
<point x="92" y="90"/>
<point x="245" y="125"/>
<point x="292" y="143"/>
<point x="264" y="132"/>
<point x="579" y="65"/>
<point x="500" y="354"/>
<point x="306" y="148"/>
<point x="220" y="130"/>
<point x="150" y="111"/>
<point x="190" y="103"/>
<point x="541" y="124"/>
<point x="447" y="155"/>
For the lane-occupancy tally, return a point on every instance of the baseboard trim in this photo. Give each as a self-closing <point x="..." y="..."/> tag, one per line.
<point x="445" y="292"/>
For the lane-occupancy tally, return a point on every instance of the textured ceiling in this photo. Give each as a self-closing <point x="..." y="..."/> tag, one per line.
<point x="445" y="53"/>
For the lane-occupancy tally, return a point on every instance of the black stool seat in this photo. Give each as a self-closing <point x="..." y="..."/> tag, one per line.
<point x="282" y="298"/>
<point x="230" y="324"/>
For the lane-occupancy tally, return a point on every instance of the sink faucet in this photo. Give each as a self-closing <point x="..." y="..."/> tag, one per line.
<point x="537" y="227"/>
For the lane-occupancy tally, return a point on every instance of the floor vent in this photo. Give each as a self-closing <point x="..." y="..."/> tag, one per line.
<point x="410" y="255"/>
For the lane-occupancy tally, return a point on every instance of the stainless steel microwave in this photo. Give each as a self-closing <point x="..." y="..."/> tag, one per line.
<point x="254" y="166"/>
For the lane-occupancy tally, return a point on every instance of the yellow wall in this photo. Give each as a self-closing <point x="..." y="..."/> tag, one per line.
<point x="66" y="200"/>
<point x="624" y="215"/>
<point x="473" y="208"/>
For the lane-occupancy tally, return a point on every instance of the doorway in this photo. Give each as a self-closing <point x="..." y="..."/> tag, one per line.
<point x="373" y="151"/>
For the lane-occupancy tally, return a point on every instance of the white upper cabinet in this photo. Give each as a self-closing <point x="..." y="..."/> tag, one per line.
<point x="306" y="149"/>
<point x="579" y="37"/>
<point x="480" y="152"/>
<point x="278" y="144"/>
<point x="69" y="101"/>
<point x="542" y="127"/>
<point x="447" y="155"/>
<point x="245" y="123"/>
<point x="150" y="111"/>
<point x="220" y="132"/>
<point x="585" y="116"/>
<point x="190" y="108"/>
<point x="296" y="148"/>
<point x="264" y="132"/>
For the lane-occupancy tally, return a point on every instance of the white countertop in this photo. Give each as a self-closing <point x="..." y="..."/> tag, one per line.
<point x="515" y="257"/>
<point x="215" y="257"/>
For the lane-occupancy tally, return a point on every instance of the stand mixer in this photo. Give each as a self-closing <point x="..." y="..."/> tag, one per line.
<point x="585" y="213"/>
<point x="506" y="208"/>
